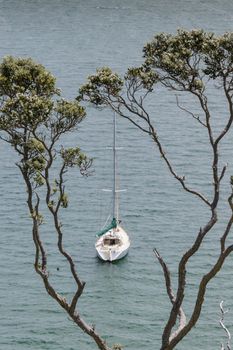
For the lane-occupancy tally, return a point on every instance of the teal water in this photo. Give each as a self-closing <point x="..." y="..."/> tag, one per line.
<point x="126" y="301"/>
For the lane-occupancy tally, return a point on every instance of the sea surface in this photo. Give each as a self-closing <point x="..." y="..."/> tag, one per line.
<point x="126" y="301"/>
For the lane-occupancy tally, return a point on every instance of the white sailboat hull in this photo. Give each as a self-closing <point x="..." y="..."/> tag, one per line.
<point x="116" y="251"/>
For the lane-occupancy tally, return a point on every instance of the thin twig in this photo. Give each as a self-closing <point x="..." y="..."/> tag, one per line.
<point x="189" y="112"/>
<point x="223" y="312"/>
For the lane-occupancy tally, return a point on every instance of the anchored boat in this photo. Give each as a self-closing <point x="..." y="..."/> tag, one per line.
<point x="113" y="242"/>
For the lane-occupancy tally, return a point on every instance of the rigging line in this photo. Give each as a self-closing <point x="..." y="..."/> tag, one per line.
<point x="107" y="209"/>
<point x="105" y="206"/>
<point x="105" y="224"/>
<point x="100" y="210"/>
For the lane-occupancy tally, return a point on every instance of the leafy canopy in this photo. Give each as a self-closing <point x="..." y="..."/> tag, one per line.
<point x="185" y="61"/>
<point x="33" y="117"/>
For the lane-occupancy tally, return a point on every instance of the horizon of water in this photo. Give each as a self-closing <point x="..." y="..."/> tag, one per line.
<point x="126" y="301"/>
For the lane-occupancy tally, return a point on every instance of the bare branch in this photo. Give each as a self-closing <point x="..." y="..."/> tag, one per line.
<point x="200" y="297"/>
<point x="190" y="113"/>
<point x="170" y="293"/>
<point x="57" y="224"/>
<point x="222" y="173"/>
<point x="229" y="225"/>
<point x="230" y="119"/>
<point x="223" y="312"/>
<point x="167" y="276"/>
<point x="179" y="178"/>
<point x="151" y="131"/>
<point x="182" y="278"/>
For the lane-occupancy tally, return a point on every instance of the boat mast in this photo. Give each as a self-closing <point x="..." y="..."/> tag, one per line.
<point x="115" y="210"/>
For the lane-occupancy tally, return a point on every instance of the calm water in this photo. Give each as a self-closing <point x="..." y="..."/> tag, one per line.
<point x="127" y="300"/>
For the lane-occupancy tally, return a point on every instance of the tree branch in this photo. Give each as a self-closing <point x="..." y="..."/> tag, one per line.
<point x="182" y="278"/>
<point x="170" y="293"/>
<point x="223" y="312"/>
<point x="200" y="298"/>
<point x="189" y="112"/>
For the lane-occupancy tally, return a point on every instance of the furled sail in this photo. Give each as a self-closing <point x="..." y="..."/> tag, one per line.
<point x="108" y="228"/>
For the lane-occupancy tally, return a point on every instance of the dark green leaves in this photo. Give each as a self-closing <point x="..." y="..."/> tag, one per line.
<point x="100" y="86"/>
<point x="74" y="157"/>
<point x="34" y="120"/>
<point x="141" y="77"/>
<point x="188" y="57"/>
<point x="23" y="75"/>
<point x="22" y="111"/>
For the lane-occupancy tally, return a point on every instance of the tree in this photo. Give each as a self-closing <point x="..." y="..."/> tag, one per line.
<point x="33" y="118"/>
<point x="192" y="63"/>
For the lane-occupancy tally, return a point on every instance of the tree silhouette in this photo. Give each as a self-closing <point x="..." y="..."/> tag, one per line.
<point x="192" y="63"/>
<point x="33" y="119"/>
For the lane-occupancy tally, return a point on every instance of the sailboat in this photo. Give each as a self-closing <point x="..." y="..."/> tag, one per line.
<point x="112" y="241"/>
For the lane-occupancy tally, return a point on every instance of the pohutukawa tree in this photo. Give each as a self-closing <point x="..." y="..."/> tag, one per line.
<point x="33" y="118"/>
<point x="191" y="62"/>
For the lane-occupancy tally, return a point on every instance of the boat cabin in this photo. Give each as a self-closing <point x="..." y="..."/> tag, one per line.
<point x="110" y="241"/>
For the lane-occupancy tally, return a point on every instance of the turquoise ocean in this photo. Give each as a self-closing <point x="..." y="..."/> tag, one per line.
<point x="126" y="301"/>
